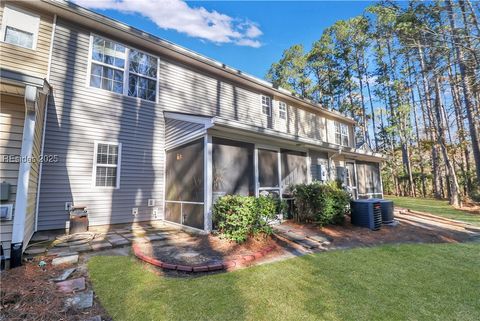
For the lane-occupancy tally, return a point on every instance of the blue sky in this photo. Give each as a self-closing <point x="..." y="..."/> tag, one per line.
<point x="248" y="35"/>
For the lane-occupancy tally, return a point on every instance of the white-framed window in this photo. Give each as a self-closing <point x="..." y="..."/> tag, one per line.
<point x="19" y="27"/>
<point x="282" y="110"/>
<point x="106" y="164"/>
<point x="267" y="105"/>
<point x="341" y="134"/>
<point x="123" y="70"/>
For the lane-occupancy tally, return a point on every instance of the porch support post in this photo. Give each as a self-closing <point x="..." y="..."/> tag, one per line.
<point x="21" y="201"/>
<point x="208" y="189"/>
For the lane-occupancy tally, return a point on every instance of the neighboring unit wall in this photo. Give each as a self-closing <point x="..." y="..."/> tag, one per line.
<point x="23" y="60"/>
<point x="77" y="117"/>
<point x="12" y="115"/>
<point x="186" y="90"/>
<point x="178" y="131"/>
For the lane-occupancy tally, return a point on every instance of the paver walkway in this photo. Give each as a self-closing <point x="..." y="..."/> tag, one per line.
<point x="99" y="239"/>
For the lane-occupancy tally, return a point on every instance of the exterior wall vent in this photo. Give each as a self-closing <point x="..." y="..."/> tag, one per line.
<point x="6" y="211"/>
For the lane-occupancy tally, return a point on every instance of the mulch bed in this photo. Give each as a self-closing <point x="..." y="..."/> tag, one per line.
<point x="27" y="293"/>
<point x="204" y="250"/>
<point x="348" y="235"/>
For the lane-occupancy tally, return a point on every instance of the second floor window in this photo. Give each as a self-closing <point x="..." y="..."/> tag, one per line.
<point x="109" y="70"/>
<point x="282" y="110"/>
<point x="341" y="134"/>
<point x="19" y="27"/>
<point x="266" y="105"/>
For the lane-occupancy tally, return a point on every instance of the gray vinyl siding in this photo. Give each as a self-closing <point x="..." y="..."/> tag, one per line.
<point x="177" y="131"/>
<point x="186" y="90"/>
<point x="77" y="117"/>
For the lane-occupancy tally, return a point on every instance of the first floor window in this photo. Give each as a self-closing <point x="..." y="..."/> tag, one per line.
<point x="106" y="164"/>
<point x="282" y="110"/>
<point x="266" y="105"/>
<point x="341" y="134"/>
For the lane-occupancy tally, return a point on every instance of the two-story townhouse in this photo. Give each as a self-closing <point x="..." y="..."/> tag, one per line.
<point x="144" y="129"/>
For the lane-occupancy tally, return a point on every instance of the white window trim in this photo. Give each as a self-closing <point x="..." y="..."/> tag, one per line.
<point x="125" y="70"/>
<point x="281" y="103"/>
<point x="118" y="166"/>
<point x="270" y="105"/>
<point x="341" y="134"/>
<point x="31" y="22"/>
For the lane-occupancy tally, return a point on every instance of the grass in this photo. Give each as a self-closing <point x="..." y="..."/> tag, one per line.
<point x="396" y="282"/>
<point x="440" y="208"/>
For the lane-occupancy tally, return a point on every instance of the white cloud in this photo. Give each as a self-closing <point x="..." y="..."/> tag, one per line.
<point x="196" y="22"/>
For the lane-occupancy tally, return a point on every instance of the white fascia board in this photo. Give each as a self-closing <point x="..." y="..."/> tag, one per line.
<point x="207" y="121"/>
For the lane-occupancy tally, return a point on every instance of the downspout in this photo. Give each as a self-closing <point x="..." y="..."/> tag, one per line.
<point x="21" y="200"/>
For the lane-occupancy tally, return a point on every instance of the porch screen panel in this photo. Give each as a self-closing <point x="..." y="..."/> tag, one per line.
<point x="268" y="168"/>
<point x="184" y="183"/>
<point x="193" y="215"/>
<point x="233" y="167"/>
<point x="294" y="168"/>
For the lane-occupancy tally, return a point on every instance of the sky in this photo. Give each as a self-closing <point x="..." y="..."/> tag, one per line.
<point x="246" y="35"/>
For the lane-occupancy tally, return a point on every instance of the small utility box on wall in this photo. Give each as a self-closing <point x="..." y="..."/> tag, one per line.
<point x="4" y="191"/>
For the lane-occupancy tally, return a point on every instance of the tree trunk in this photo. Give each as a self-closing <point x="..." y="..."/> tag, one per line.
<point x="453" y="188"/>
<point x="467" y="95"/>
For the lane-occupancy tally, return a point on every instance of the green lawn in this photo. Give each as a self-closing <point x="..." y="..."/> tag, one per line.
<point x="440" y="208"/>
<point x="399" y="282"/>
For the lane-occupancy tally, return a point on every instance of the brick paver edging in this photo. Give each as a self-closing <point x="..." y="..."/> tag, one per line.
<point x="224" y="265"/>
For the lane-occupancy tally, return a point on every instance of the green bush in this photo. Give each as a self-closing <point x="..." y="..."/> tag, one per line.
<point x="237" y="217"/>
<point x="320" y="203"/>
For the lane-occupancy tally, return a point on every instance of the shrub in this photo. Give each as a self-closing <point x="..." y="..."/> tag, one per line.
<point x="320" y="203"/>
<point x="237" y="217"/>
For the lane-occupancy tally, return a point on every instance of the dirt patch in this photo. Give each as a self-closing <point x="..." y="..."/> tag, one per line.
<point x="207" y="249"/>
<point x="27" y="293"/>
<point x="348" y="235"/>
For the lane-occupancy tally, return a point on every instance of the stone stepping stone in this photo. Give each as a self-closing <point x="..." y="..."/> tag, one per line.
<point x="99" y="246"/>
<point x="95" y="318"/>
<point x="35" y="250"/>
<point x="71" y="285"/>
<point x="319" y="238"/>
<point x="65" y="274"/>
<point x="81" y="300"/>
<point x="70" y="259"/>
<point x="302" y="240"/>
<point x="155" y="237"/>
<point x="39" y="238"/>
<point x="283" y="228"/>
<point x="81" y="248"/>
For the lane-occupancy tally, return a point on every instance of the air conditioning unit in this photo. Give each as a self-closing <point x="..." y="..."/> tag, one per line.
<point x="366" y="213"/>
<point x="6" y="211"/>
<point x="387" y="210"/>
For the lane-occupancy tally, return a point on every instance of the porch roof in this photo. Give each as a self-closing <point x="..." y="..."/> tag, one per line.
<point x="226" y="125"/>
